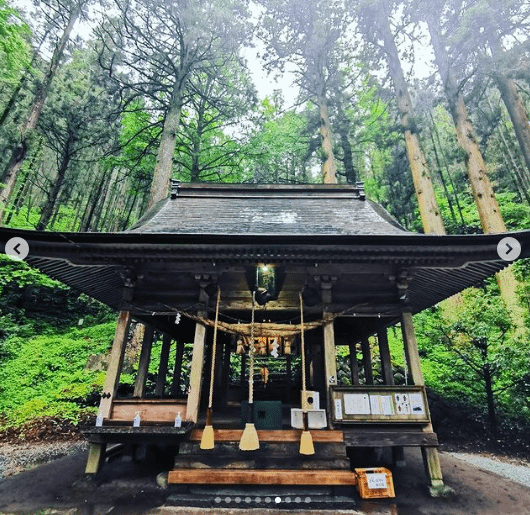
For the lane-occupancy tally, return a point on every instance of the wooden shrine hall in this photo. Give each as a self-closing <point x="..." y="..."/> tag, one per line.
<point x="266" y="282"/>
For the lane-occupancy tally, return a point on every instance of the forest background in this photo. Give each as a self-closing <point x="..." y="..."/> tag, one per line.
<point x="425" y="102"/>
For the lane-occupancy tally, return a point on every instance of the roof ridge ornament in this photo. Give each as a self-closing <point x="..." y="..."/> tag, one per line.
<point x="360" y="186"/>
<point x="175" y="186"/>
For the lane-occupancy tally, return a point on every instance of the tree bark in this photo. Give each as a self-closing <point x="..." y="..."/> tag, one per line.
<point x="56" y="187"/>
<point x="166" y="150"/>
<point x="329" y="167"/>
<point x="9" y="176"/>
<point x="428" y="205"/>
<point x="487" y="206"/>
<point x="488" y="386"/>
<point x="513" y="102"/>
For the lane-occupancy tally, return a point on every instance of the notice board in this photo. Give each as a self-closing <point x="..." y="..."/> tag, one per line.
<point x="379" y="404"/>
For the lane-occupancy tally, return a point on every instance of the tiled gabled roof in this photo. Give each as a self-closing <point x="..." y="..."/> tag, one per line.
<point x="274" y="210"/>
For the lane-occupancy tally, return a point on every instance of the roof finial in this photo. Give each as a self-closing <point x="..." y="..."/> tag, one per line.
<point x="175" y="185"/>
<point x="360" y="187"/>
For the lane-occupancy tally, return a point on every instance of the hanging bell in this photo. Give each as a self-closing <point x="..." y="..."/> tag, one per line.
<point x="240" y="349"/>
<point x="262" y="346"/>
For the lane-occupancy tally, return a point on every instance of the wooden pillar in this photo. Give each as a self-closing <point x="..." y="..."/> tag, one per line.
<point x="367" y="360"/>
<point x="143" y="365"/>
<point x="163" y="367"/>
<point x="197" y="364"/>
<point x="117" y="354"/>
<point x="330" y="364"/>
<point x="431" y="459"/>
<point x="354" y="366"/>
<point x="197" y="359"/>
<point x="384" y="353"/>
<point x="96" y="451"/>
<point x="411" y="348"/>
<point x="177" y="371"/>
<point x="96" y="456"/>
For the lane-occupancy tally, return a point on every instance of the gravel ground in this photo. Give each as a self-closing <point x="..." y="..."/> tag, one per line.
<point x="520" y="473"/>
<point x="16" y="458"/>
<point x="53" y="483"/>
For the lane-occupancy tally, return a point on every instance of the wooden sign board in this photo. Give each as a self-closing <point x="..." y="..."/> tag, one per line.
<point x="379" y="404"/>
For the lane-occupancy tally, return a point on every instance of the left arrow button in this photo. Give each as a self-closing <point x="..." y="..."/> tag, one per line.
<point x="17" y="248"/>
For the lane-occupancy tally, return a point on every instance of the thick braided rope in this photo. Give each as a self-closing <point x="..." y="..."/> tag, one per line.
<point x="251" y="354"/>
<point x="214" y="347"/>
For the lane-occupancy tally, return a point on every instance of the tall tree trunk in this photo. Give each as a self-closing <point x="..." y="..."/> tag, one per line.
<point x="24" y="184"/>
<point x="434" y="133"/>
<point x="95" y="200"/>
<point x="428" y="205"/>
<point x="166" y="150"/>
<point x="9" y="176"/>
<point x="329" y="167"/>
<point x="488" y="386"/>
<point x="513" y="102"/>
<point x="47" y="210"/>
<point x="487" y="206"/>
<point x="347" y="160"/>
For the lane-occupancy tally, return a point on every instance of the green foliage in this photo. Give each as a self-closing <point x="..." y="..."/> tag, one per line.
<point x="46" y="376"/>
<point x="14" y="49"/>
<point x="31" y="302"/>
<point x="476" y="356"/>
<point x="279" y="150"/>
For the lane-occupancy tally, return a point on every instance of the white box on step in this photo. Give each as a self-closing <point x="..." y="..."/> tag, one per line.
<point x="316" y="418"/>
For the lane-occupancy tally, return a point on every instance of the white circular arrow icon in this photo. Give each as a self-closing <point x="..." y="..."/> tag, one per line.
<point x="509" y="249"/>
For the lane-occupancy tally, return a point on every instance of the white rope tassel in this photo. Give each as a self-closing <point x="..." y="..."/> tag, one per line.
<point x="249" y="439"/>
<point x="306" y="440"/>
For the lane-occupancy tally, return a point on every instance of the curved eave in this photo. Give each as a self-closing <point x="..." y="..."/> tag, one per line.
<point x="98" y="263"/>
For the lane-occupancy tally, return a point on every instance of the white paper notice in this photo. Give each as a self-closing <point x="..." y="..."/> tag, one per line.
<point x="381" y="405"/>
<point x="402" y="403"/>
<point x="416" y="404"/>
<point x="338" y="409"/>
<point x="376" y="481"/>
<point x="375" y="405"/>
<point x="357" y="404"/>
<point x="387" y="405"/>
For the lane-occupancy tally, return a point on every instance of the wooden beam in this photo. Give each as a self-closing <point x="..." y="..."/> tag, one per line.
<point x="264" y="435"/>
<point x="117" y="354"/>
<point x="367" y="361"/>
<point x="143" y="366"/>
<point x="262" y="477"/>
<point x="163" y="367"/>
<point x="411" y="348"/>
<point x="384" y="353"/>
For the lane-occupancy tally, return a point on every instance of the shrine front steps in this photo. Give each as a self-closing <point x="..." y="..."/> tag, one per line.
<point x="276" y="462"/>
<point x="268" y="456"/>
